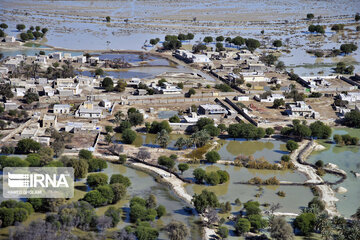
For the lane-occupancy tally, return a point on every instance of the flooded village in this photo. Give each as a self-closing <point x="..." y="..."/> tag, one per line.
<point x="183" y="120"/>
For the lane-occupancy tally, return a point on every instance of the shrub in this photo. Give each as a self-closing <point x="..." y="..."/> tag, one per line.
<point x="161" y="211"/>
<point x="128" y="136"/>
<point x="166" y="162"/>
<point x="285" y="158"/>
<point x="305" y="223"/>
<point x="97" y="179"/>
<point x="212" y="157"/>
<point x="118" y="178"/>
<point x="95" y="198"/>
<point x="281" y="193"/>
<point x="242" y="226"/>
<point x="291" y="145"/>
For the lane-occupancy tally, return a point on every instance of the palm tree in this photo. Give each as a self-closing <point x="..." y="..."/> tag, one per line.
<point x="180" y="143"/>
<point x="200" y="138"/>
<point x="163" y="138"/>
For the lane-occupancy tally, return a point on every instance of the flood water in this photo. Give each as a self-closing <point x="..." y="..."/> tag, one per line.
<point x="347" y="158"/>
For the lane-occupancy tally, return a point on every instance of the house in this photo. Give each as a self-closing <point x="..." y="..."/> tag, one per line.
<point x="140" y="92"/>
<point x="192" y="58"/>
<point x="253" y="77"/>
<point x="242" y="98"/>
<point x="56" y="55"/>
<point x="256" y="67"/>
<point x="12" y="63"/>
<point x="74" y="127"/>
<point x="42" y="59"/>
<point x="10" y="106"/>
<point x="61" y="109"/>
<point x="269" y="98"/>
<point x="49" y="121"/>
<point x="9" y="39"/>
<point x="88" y="110"/>
<point x="85" y="81"/>
<point x="94" y="60"/>
<point x="192" y="119"/>
<point x="3" y="71"/>
<point x="207" y="109"/>
<point x="48" y="91"/>
<point x="30" y="131"/>
<point x="245" y="54"/>
<point x="301" y="109"/>
<point x="42" y="140"/>
<point x="67" y="87"/>
<point x="105" y="103"/>
<point x="350" y="97"/>
<point x="80" y="59"/>
<point x="67" y="56"/>
<point x="134" y="82"/>
<point x="167" y="88"/>
<point x="19" y="92"/>
<point x="42" y="81"/>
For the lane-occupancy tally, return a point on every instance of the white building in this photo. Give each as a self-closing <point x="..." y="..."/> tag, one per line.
<point x="56" y="55"/>
<point x="351" y="97"/>
<point x="9" y="39"/>
<point x="271" y="98"/>
<point x="254" y="77"/>
<point x="193" y="58"/>
<point x="166" y="89"/>
<point x="206" y="109"/>
<point x="61" y="108"/>
<point x="88" y="110"/>
<point x="242" y="98"/>
<point x="105" y="103"/>
<point x="301" y="109"/>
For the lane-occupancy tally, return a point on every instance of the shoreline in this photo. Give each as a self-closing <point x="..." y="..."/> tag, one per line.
<point x="327" y="194"/>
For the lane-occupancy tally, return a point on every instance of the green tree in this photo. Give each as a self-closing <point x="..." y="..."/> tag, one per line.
<point x="269" y="131"/>
<point x="183" y="167"/>
<point x="212" y="130"/>
<point x="108" y="19"/>
<point x="31" y="97"/>
<point x="257" y="222"/>
<point x="99" y="72"/>
<point x="177" y="230"/>
<point x="119" y="191"/>
<point x="20" y="27"/>
<point x="223" y="232"/>
<point x="220" y="39"/>
<point x="27" y="145"/>
<point x="107" y="83"/>
<point x="212" y="178"/>
<point x="174" y="119"/>
<point x="95" y="198"/>
<point x="3" y="26"/>
<point x="242" y="226"/>
<point x="252" y="44"/>
<point x="305" y="222"/>
<point x="191" y="92"/>
<point x="352" y="119"/>
<point x="310" y="16"/>
<point x="107" y="193"/>
<point x="208" y="39"/>
<point x="161" y="211"/>
<point x="291" y="145"/>
<point x="320" y="130"/>
<point x="96" y="164"/>
<point x="6" y="216"/>
<point x="96" y="179"/>
<point x="348" y="48"/>
<point x="278" y="103"/>
<point x="120" y="86"/>
<point x="277" y="43"/>
<point x="122" y="158"/>
<point x="145" y="232"/>
<point x="280" y="229"/>
<point x="118" y="178"/>
<point x="114" y="214"/>
<point x="205" y="200"/>
<point x="163" y="138"/>
<point x="136" y="118"/>
<point x="212" y="157"/>
<point x="199" y="175"/>
<point x="357" y="17"/>
<point x="85" y="154"/>
<point x="166" y="162"/>
<point x="128" y="136"/>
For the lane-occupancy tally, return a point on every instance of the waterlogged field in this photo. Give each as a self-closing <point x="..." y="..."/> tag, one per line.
<point x="347" y="158"/>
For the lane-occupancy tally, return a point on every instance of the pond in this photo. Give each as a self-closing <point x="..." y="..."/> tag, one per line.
<point x="347" y="158"/>
<point x="270" y="149"/>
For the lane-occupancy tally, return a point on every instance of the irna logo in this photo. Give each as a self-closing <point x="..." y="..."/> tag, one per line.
<point x="37" y="180"/>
